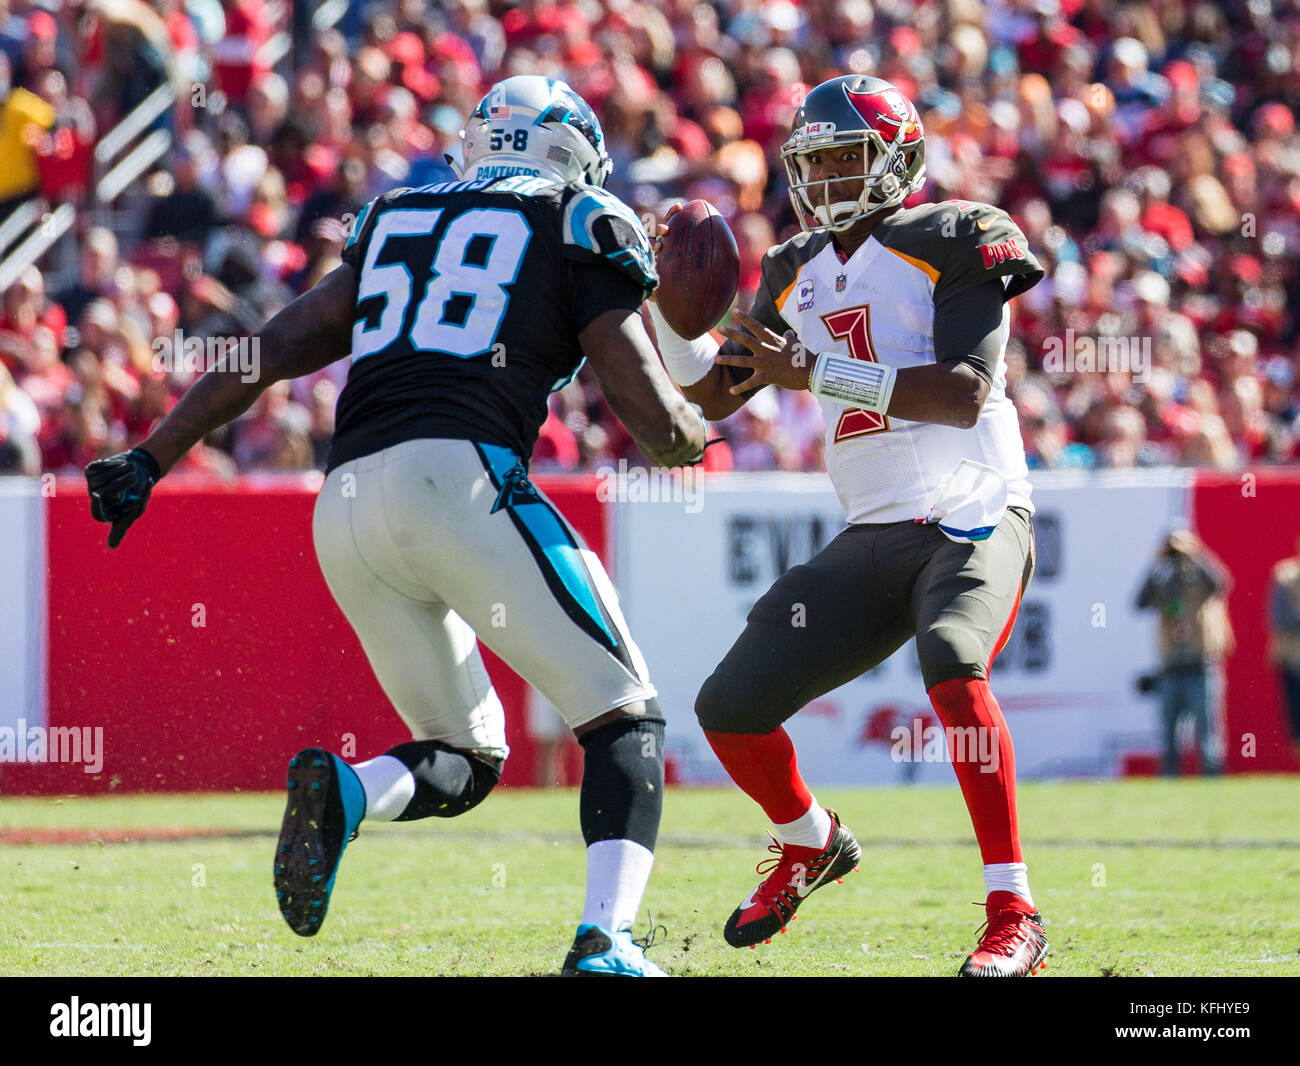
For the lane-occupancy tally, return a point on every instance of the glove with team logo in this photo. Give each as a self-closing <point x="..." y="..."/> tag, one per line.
<point x="119" y="489"/>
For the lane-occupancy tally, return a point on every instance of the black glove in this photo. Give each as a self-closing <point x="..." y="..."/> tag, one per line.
<point x="119" y="489"/>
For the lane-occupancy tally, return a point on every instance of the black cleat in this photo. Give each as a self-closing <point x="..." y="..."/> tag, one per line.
<point x="326" y="804"/>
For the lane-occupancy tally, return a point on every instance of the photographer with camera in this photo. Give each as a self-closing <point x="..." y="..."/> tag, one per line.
<point x="1188" y="585"/>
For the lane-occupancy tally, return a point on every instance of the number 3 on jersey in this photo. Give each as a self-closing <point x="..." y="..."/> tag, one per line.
<point x="465" y="297"/>
<point x="853" y="326"/>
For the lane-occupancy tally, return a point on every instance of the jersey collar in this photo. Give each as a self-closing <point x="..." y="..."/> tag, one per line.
<point x="833" y="266"/>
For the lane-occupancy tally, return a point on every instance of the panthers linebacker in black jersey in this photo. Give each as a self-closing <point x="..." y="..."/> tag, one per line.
<point x="463" y="306"/>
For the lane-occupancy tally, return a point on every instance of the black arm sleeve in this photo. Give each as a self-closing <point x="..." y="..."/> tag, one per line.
<point x="598" y="286"/>
<point x="968" y="329"/>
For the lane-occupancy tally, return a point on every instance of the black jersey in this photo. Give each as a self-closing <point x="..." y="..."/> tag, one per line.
<point x="470" y="298"/>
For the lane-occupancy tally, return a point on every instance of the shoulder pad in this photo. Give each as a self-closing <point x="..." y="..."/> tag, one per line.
<point x="454" y="185"/>
<point x="525" y="185"/>
<point x="780" y="266"/>
<point x="966" y="244"/>
<point x="366" y="217"/>
<point x="598" y="224"/>
<point x="802" y="246"/>
<point x="784" y="260"/>
<point x="983" y="222"/>
<point x="961" y="221"/>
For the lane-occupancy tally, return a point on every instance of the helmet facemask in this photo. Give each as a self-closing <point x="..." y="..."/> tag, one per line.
<point x="884" y="174"/>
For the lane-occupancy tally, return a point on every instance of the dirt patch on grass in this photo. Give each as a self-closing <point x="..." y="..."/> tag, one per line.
<point x="76" y="835"/>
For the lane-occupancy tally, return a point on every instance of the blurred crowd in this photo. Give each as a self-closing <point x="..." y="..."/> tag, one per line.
<point x="1148" y="149"/>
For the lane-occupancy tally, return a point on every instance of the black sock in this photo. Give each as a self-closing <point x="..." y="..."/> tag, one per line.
<point x="448" y="781"/>
<point x="623" y="781"/>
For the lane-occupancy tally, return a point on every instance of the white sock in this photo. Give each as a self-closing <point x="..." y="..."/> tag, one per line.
<point x="1008" y="877"/>
<point x="813" y="830"/>
<point x="388" y="784"/>
<point x="617" y="873"/>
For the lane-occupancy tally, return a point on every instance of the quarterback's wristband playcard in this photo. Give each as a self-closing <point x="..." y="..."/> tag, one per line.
<point x="853" y="381"/>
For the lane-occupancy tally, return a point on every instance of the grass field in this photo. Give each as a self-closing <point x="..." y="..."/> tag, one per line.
<point x="1156" y="877"/>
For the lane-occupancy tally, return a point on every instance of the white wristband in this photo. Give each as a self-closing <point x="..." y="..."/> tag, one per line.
<point x="854" y="382"/>
<point x="686" y="361"/>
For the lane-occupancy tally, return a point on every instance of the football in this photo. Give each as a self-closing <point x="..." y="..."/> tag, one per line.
<point x="699" y="269"/>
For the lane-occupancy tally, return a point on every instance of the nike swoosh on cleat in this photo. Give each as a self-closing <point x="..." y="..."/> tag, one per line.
<point x="804" y="891"/>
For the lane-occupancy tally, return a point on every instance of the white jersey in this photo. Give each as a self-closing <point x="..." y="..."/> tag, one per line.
<point x="879" y="305"/>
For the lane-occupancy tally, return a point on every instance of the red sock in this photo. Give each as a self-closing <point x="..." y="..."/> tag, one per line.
<point x="765" y="768"/>
<point x="990" y="797"/>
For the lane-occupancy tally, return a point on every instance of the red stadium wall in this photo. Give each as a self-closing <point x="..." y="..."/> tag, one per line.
<point x="1251" y="521"/>
<point x="274" y="668"/>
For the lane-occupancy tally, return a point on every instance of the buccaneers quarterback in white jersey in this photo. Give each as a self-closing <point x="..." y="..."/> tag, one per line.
<point x="897" y="319"/>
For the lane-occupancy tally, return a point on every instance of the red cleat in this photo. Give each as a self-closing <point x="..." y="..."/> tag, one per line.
<point x="1013" y="943"/>
<point x="792" y="876"/>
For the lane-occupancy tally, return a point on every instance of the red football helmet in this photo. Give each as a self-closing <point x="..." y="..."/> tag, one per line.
<point x="855" y="109"/>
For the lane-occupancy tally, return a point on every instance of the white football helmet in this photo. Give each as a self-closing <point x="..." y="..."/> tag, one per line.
<point x="539" y="127"/>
